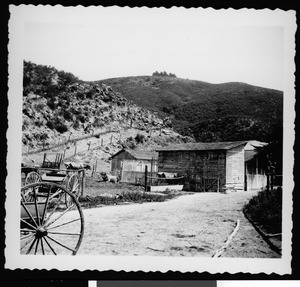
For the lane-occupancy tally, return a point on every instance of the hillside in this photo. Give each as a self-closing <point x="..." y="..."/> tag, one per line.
<point x="209" y="112"/>
<point x="61" y="110"/>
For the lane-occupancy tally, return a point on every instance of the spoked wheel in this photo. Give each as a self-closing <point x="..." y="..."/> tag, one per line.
<point x="47" y="225"/>
<point x="73" y="185"/>
<point x="32" y="177"/>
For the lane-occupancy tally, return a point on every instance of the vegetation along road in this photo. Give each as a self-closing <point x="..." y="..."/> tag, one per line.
<point x="190" y="225"/>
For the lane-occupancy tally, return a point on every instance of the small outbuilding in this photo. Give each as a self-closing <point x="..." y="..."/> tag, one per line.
<point x="212" y="166"/>
<point x="130" y="165"/>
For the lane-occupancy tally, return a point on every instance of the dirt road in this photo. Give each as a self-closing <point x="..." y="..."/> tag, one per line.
<point x="191" y="225"/>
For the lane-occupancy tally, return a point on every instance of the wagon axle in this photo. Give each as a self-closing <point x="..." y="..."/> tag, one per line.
<point x="41" y="232"/>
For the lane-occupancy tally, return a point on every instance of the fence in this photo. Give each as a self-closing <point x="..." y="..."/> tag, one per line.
<point x="63" y="144"/>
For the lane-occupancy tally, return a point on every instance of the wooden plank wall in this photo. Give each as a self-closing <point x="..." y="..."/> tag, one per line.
<point x="194" y="166"/>
<point x="235" y="168"/>
<point x="116" y="165"/>
<point x="132" y="170"/>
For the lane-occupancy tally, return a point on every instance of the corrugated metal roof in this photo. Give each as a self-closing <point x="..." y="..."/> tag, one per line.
<point x="203" y="146"/>
<point x="139" y="154"/>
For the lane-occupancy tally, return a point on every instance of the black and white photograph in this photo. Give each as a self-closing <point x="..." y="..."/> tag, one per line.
<point x="150" y="139"/>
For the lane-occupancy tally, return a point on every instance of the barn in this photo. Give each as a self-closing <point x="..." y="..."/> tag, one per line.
<point x="129" y="165"/>
<point x="213" y="166"/>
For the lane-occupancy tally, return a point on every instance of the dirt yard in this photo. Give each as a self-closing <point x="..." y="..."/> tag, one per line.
<point x="190" y="225"/>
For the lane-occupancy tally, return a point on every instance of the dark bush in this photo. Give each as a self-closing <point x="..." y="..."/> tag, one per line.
<point x="139" y="138"/>
<point x="38" y="107"/>
<point x="67" y="115"/>
<point x="81" y="118"/>
<point x="39" y="123"/>
<point x="51" y="104"/>
<point x="266" y="210"/>
<point x="61" y="128"/>
<point x="80" y="95"/>
<point x="76" y="125"/>
<point x="50" y="125"/>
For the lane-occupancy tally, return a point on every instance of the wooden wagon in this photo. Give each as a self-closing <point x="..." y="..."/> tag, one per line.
<point x="51" y="171"/>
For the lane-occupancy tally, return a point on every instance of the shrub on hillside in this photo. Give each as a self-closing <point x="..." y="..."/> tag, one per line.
<point x="39" y="123"/>
<point x="77" y="125"/>
<point x="39" y="107"/>
<point x="57" y="125"/>
<point x="66" y="78"/>
<point x="80" y="95"/>
<point x="164" y="74"/>
<point x="61" y="128"/>
<point x="139" y="138"/>
<point x="81" y="118"/>
<point x="67" y="115"/>
<point x="50" y="125"/>
<point x="130" y="143"/>
<point x="51" y="104"/>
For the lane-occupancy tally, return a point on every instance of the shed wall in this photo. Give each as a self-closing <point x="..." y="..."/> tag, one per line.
<point x="256" y="178"/>
<point x="201" y="169"/>
<point x="131" y="170"/>
<point x="235" y="168"/>
<point x="116" y="162"/>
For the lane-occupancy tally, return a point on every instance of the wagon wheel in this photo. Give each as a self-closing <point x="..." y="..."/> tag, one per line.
<point x="47" y="225"/>
<point x="31" y="177"/>
<point x="73" y="185"/>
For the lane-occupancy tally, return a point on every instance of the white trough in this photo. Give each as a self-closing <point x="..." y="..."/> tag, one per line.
<point x="53" y="178"/>
<point x="166" y="187"/>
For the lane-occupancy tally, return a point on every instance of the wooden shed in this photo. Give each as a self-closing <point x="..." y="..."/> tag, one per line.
<point x="255" y="169"/>
<point x="213" y="166"/>
<point x="129" y="165"/>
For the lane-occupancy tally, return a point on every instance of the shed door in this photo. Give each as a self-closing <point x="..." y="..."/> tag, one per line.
<point x="198" y="182"/>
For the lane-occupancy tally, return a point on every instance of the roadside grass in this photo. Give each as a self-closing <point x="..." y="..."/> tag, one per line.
<point x="97" y="193"/>
<point x="265" y="209"/>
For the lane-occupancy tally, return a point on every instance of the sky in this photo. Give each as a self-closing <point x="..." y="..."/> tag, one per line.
<point x="198" y="44"/>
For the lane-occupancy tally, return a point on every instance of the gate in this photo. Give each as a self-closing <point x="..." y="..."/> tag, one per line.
<point x="196" y="182"/>
<point x="211" y="184"/>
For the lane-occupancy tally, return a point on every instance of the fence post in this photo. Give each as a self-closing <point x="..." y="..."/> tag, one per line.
<point x="82" y="182"/>
<point x="146" y="175"/>
<point x="111" y="137"/>
<point x="75" y="150"/>
<point x="268" y="182"/>
<point x="89" y="144"/>
<point x="94" y="168"/>
<point x="102" y="142"/>
<point x="151" y="173"/>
